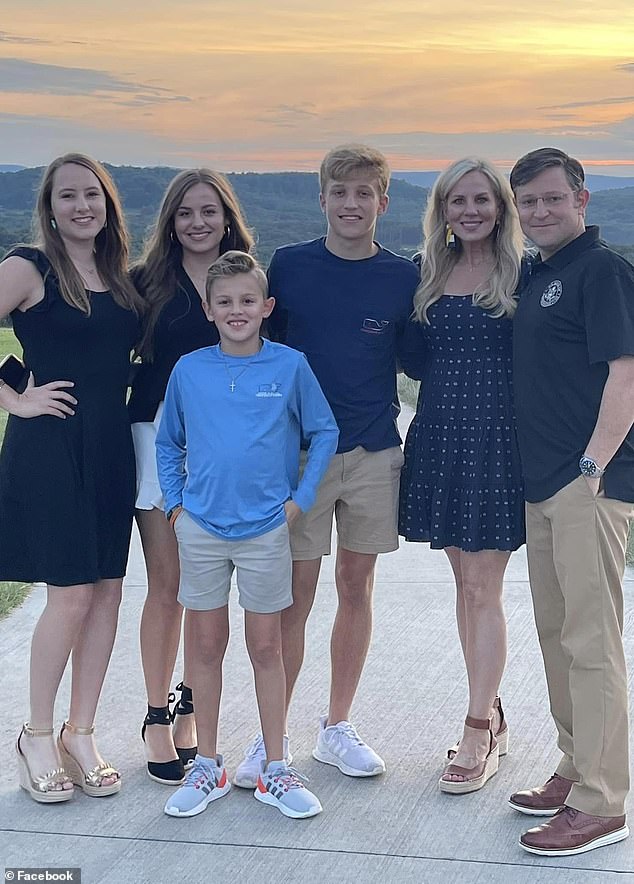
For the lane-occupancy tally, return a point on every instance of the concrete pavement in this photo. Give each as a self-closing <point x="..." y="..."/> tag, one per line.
<point x="394" y="828"/>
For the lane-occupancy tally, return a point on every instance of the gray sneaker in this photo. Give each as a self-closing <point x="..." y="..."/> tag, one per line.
<point x="282" y="787"/>
<point x="246" y="776"/>
<point x="206" y="781"/>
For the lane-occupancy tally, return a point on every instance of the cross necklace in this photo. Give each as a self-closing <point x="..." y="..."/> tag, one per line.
<point x="234" y="378"/>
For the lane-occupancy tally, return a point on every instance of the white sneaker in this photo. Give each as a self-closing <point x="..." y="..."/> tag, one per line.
<point x="281" y="786"/>
<point x="340" y="745"/>
<point x="249" y="768"/>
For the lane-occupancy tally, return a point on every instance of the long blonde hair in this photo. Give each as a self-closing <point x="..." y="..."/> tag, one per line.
<point x="111" y="243"/>
<point x="496" y="294"/>
<point x="163" y="254"/>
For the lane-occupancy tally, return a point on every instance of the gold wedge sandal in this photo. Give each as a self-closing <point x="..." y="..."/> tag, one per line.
<point x="90" y="781"/>
<point x="46" y="788"/>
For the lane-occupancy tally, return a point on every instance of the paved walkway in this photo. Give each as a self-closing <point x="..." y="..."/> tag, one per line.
<point x="394" y="828"/>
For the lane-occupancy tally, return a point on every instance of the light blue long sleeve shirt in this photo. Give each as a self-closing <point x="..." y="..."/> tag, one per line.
<point x="231" y="457"/>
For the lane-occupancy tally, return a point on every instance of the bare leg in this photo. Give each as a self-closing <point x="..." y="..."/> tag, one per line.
<point x="352" y="630"/>
<point x="453" y="554"/>
<point x="56" y="632"/>
<point x="263" y="634"/>
<point x="205" y="648"/>
<point x="305" y="577"/>
<point x="160" y="626"/>
<point x="90" y="658"/>
<point x="482" y="575"/>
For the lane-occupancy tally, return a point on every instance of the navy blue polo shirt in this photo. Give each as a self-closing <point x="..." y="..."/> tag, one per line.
<point x="575" y="314"/>
<point x="347" y="317"/>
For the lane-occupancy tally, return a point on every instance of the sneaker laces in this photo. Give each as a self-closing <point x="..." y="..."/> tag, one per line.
<point x="199" y="772"/>
<point x="348" y="731"/>
<point x="289" y="777"/>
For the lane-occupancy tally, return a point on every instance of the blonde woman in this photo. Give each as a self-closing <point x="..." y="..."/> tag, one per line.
<point x="67" y="464"/>
<point x="461" y="486"/>
<point x="199" y="219"/>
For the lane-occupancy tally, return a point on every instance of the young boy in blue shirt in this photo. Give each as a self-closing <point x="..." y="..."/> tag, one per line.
<point x="228" y="463"/>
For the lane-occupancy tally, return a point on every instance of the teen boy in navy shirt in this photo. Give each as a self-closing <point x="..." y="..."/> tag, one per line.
<point x="344" y="300"/>
<point x="228" y="461"/>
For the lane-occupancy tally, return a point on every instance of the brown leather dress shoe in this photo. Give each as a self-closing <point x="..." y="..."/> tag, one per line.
<point x="570" y="831"/>
<point x="545" y="800"/>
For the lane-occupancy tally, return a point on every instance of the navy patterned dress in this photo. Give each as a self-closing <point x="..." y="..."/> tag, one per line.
<point x="461" y="483"/>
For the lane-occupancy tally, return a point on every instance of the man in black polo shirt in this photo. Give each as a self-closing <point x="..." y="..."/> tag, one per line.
<point x="574" y="388"/>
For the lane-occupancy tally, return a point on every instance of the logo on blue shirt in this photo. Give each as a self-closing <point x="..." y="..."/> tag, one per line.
<point x="551" y="294"/>
<point x="268" y="391"/>
<point x="375" y="326"/>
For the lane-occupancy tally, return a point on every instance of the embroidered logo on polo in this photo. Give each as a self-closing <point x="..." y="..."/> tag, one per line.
<point x="375" y="326"/>
<point x="269" y="391"/>
<point x="551" y="293"/>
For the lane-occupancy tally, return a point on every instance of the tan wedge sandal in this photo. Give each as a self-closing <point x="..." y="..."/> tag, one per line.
<point x="90" y="781"/>
<point x="46" y="788"/>
<point x="474" y="778"/>
<point x="501" y="735"/>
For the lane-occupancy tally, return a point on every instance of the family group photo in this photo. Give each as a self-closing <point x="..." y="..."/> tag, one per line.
<point x="316" y="497"/>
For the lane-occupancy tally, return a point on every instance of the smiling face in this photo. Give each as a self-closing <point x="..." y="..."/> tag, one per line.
<point x="352" y="207"/>
<point x="78" y="203"/>
<point x="471" y="208"/>
<point x="237" y="305"/>
<point x="200" y="221"/>
<point x="552" y="214"/>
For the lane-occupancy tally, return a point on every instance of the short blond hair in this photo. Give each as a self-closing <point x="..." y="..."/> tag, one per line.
<point x="232" y="263"/>
<point x="349" y="159"/>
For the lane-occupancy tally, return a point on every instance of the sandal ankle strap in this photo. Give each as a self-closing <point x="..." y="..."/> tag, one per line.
<point x="480" y="724"/>
<point x="37" y="731"/>
<point x="80" y="731"/>
<point x="160" y="714"/>
<point x="185" y="705"/>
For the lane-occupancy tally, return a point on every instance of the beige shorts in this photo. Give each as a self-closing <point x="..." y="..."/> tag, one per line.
<point x="361" y="489"/>
<point x="263" y="569"/>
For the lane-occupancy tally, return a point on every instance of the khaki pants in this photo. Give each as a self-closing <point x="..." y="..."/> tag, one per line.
<point x="576" y="559"/>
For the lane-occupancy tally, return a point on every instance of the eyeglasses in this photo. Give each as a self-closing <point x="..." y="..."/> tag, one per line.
<point x="552" y="201"/>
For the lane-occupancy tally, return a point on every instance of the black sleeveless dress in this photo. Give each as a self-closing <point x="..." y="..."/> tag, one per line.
<point x="67" y="486"/>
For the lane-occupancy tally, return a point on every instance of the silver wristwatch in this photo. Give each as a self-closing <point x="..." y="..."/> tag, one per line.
<point x="590" y="468"/>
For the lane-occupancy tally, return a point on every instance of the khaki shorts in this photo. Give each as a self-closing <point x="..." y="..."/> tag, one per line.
<point x="361" y="489"/>
<point x="263" y="569"/>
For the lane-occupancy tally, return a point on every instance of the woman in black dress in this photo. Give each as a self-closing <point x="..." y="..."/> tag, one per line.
<point x="67" y="464"/>
<point x="461" y="487"/>
<point x="199" y="219"/>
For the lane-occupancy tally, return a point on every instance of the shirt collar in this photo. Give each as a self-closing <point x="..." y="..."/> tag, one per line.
<point x="568" y="253"/>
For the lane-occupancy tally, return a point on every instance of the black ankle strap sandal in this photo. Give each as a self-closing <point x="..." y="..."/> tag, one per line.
<point x="169" y="773"/>
<point x="185" y="706"/>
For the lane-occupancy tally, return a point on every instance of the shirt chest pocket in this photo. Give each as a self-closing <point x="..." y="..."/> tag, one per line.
<point x="376" y="334"/>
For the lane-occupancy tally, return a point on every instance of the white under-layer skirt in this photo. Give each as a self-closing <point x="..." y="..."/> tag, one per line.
<point x="148" y="490"/>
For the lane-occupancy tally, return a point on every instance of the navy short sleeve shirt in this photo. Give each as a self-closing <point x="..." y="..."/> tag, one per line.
<point x="575" y="314"/>
<point x="348" y="318"/>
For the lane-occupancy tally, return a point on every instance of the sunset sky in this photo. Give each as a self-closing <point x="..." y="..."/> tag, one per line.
<point x="267" y="86"/>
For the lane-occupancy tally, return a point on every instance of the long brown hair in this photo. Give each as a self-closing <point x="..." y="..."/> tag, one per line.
<point x="111" y="243"/>
<point x="157" y="271"/>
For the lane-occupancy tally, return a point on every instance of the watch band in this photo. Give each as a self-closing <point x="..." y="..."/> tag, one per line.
<point x="589" y="467"/>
